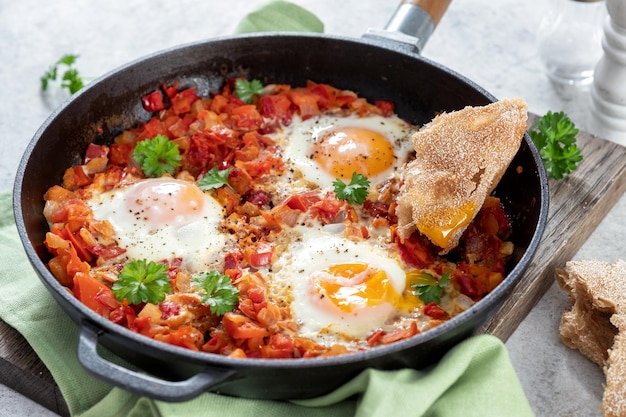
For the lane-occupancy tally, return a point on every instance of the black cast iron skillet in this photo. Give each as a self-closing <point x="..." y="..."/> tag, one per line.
<point x="386" y="68"/>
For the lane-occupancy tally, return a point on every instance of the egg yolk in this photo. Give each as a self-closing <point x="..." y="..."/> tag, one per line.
<point x="353" y="286"/>
<point x="344" y="150"/>
<point x="165" y="202"/>
<point x="441" y="224"/>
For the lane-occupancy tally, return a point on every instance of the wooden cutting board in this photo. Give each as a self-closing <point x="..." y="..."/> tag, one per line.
<point x="577" y="205"/>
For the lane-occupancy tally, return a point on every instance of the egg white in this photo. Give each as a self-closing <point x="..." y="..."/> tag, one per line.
<point x="297" y="140"/>
<point x="193" y="235"/>
<point x="318" y="251"/>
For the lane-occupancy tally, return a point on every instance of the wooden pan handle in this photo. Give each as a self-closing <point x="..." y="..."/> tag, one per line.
<point x="413" y="22"/>
<point x="435" y="8"/>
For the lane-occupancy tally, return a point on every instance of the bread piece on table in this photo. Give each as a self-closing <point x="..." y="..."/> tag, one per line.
<point x="460" y="158"/>
<point x="596" y="323"/>
<point x="614" y="398"/>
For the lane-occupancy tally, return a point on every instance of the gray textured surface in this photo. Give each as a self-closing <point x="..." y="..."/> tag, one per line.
<point x="493" y="45"/>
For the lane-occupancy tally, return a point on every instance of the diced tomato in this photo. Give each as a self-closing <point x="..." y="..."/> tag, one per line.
<point x="171" y="90"/>
<point x="74" y="264"/>
<point x="400" y="333"/>
<point x="232" y="267"/>
<point x="246" y="306"/>
<point x="377" y="209"/>
<point x="241" y="327"/>
<point x="256" y="294"/>
<point x="182" y="101"/>
<point x="76" y="177"/>
<point x="416" y="250"/>
<point x="387" y="107"/>
<point x="303" y="201"/>
<point x="153" y="101"/>
<point x="306" y="101"/>
<point x="246" y="117"/>
<point x="327" y="209"/>
<point x="95" y="151"/>
<point x="142" y="325"/>
<point x="260" y="259"/>
<point x="180" y="126"/>
<point x="78" y="244"/>
<point x="259" y="198"/>
<point x="285" y="215"/>
<point x="153" y="128"/>
<point x="325" y="95"/>
<point x="107" y="252"/>
<point x="250" y="149"/>
<point x="434" y="311"/>
<point x="218" y="343"/>
<point x="120" y="153"/>
<point x="469" y="286"/>
<point x="344" y="100"/>
<point x="279" y="346"/>
<point x="276" y="107"/>
<point x="240" y="180"/>
<point x="123" y="315"/>
<point x="185" y="336"/>
<point x="169" y="309"/>
<point x="86" y="289"/>
<point x="106" y="298"/>
<point x="375" y="337"/>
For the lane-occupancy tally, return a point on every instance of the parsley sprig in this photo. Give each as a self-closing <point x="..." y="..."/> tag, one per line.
<point x="157" y="156"/>
<point x="215" y="178"/>
<point x="71" y="79"/>
<point x="354" y="192"/>
<point x="142" y="282"/>
<point x="216" y="291"/>
<point x="555" y="137"/>
<point x="246" y="90"/>
<point x="428" y="288"/>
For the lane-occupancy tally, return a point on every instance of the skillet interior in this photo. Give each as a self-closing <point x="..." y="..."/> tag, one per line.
<point x="418" y="87"/>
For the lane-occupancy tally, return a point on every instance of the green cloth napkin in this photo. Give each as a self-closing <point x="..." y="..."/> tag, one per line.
<point x="475" y="378"/>
<point x="279" y="15"/>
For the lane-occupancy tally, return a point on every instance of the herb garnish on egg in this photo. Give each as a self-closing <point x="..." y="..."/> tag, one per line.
<point x="354" y="192"/>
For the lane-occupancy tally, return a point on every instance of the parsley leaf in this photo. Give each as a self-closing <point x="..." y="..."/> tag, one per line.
<point x="429" y="290"/>
<point x="217" y="291"/>
<point x="71" y="79"/>
<point x="215" y="179"/>
<point x="355" y="192"/>
<point x="247" y="89"/>
<point x="157" y="156"/>
<point x="555" y="137"/>
<point x="142" y="282"/>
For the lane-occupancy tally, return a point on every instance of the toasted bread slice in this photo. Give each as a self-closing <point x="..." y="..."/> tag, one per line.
<point x="596" y="323"/>
<point x="460" y="158"/>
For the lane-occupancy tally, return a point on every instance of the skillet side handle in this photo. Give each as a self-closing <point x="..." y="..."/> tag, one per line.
<point x="412" y="23"/>
<point x="140" y="383"/>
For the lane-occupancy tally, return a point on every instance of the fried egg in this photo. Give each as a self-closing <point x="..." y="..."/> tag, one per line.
<point x="341" y="289"/>
<point x="164" y="218"/>
<point x="326" y="147"/>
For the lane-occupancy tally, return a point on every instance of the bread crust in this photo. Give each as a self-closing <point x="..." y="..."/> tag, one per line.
<point x="460" y="158"/>
<point x="596" y="323"/>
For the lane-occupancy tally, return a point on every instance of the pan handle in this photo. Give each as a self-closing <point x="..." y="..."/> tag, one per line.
<point x="434" y="8"/>
<point x="140" y="383"/>
<point x="412" y="23"/>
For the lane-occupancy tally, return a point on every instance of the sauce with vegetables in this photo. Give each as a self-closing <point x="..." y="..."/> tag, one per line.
<point x="260" y="222"/>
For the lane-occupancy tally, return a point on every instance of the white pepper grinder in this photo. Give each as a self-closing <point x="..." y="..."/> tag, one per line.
<point x="608" y="92"/>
